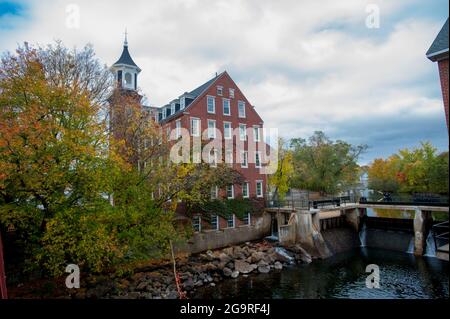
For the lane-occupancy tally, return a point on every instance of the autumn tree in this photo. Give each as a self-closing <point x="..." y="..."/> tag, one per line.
<point x="281" y="179"/>
<point x="417" y="170"/>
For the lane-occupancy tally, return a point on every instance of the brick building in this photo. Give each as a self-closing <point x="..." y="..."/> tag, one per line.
<point x="216" y="111"/>
<point x="438" y="52"/>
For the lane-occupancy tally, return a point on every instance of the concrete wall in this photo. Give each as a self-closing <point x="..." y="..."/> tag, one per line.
<point x="214" y="239"/>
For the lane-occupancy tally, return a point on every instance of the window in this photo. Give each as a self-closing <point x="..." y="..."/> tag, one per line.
<point x="256" y="135"/>
<point x="128" y="78"/>
<point x="241" y="108"/>
<point x="172" y="108"/>
<point x="211" y="129"/>
<point x="214" y="192"/>
<point x="197" y="223"/>
<point x="244" y="159"/>
<point x="245" y="190"/>
<point x="215" y="222"/>
<point x="213" y="158"/>
<point x="230" y="191"/>
<point x="182" y="103"/>
<point x="259" y="189"/>
<point x="178" y="129"/>
<point x="227" y="130"/>
<point x="258" y="159"/>
<point x="226" y="107"/>
<point x="219" y="90"/>
<point x="230" y="221"/>
<point x="195" y="127"/>
<point x="246" y="219"/>
<point x="229" y="157"/>
<point x="243" y="132"/>
<point x="211" y="104"/>
<point x="168" y="130"/>
<point x="231" y="93"/>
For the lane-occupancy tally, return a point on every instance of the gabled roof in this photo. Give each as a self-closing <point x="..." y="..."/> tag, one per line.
<point x="125" y="58"/>
<point x="439" y="47"/>
<point x="194" y="94"/>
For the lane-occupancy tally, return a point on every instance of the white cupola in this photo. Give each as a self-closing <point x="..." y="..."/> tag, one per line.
<point x="125" y="70"/>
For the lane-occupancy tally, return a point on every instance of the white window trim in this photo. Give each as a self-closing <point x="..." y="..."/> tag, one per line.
<point x="231" y="93"/>
<point x="239" y="111"/>
<point x="227" y="153"/>
<point x="256" y="187"/>
<point x="249" y="220"/>
<point x="217" y="222"/>
<point x="247" y="187"/>
<point x="229" y="106"/>
<point x="214" y="104"/>
<point x="232" y="192"/>
<point x="234" y="221"/>
<point x="182" y="103"/>
<point x="245" y="132"/>
<point x="199" y="126"/>
<point x="213" y="130"/>
<point x="244" y="159"/>
<point x="178" y="128"/>
<point x="221" y="90"/>
<point x="199" y="224"/>
<point x="231" y="131"/>
<point x="257" y="137"/>
<point x="258" y="154"/>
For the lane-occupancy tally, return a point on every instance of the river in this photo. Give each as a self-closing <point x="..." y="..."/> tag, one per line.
<point x="402" y="276"/>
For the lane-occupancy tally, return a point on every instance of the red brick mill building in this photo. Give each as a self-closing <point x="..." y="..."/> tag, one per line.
<point x="438" y="52"/>
<point x="217" y="110"/>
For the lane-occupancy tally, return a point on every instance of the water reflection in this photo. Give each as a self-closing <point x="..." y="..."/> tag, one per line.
<point x="343" y="276"/>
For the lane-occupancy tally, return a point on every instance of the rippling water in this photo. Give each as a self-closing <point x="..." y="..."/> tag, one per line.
<point x="343" y="276"/>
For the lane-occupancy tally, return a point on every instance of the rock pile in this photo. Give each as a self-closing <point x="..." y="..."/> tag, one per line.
<point x="207" y="268"/>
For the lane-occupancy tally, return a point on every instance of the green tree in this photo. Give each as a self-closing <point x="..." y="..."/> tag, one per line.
<point x="323" y="165"/>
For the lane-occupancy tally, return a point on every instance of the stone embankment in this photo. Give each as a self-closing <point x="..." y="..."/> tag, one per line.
<point x="208" y="268"/>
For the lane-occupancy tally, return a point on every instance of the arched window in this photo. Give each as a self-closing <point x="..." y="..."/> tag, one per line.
<point x="127" y="78"/>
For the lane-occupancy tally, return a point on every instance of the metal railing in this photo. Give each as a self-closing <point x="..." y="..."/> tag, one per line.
<point x="440" y="234"/>
<point x="304" y="203"/>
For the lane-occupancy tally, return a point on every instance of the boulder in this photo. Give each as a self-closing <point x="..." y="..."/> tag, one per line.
<point x="278" y="265"/>
<point x="264" y="269"/>
<point x="142" y="286"/>
<point x="235" y="274"/>
<point x="224" y="258"/>
<point x="227" y="272"/>
<point x="242" y="267"/>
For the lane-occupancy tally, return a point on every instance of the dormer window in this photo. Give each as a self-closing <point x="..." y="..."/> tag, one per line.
<point x="182" y="103"/>
<point x="172" y="108"/>
<point x="219" y="90"/>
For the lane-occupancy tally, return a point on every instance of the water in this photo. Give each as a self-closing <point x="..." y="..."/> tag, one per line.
<point x="363" y="235"/>
<point x="402" y="276"/>
<point x="411" y="246"/>
<point x="430" y="246"/>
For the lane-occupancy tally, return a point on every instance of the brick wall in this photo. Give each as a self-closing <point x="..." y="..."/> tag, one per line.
<point x="443" y="75"/>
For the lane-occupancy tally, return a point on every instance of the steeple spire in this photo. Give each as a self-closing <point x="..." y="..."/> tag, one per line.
<point x="125" y="43"/>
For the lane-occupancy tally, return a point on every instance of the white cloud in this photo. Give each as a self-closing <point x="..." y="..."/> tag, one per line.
<point x="306" y="65"/>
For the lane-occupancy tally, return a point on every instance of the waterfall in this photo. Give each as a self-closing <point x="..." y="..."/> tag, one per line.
<point x="411" y="246"/>
<point x="430" y="246"/>
<point x="281" y="251"/>
<point x="362" y="235"/>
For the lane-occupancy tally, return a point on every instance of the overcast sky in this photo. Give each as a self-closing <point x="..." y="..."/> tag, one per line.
<point x="305" y="65"/>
